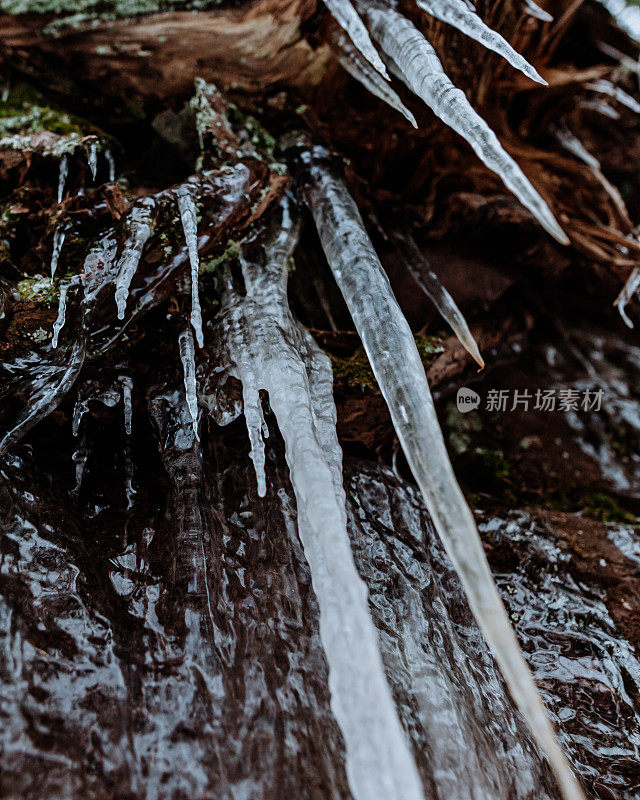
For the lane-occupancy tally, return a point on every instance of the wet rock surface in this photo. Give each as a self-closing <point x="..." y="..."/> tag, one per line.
<point x="160" y="633"/>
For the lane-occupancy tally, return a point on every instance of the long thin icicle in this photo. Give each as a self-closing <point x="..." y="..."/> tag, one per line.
<point x="420" y="67"/>
<point x="610" y="90"/>
<point x="63" y="172"/>
<point x="360" y="69"/>
<point x="574" y="146"/>
<point x="127" y="387"/>
<point x="111" y="163"/>
<point x="188" y="359"/>
<point x="58" y="240"/>
<point x="62" y="312"/>
<point x="347" y="17"/>
<point x="534" y="10"/>
<point x="395" y="361"/>
<point x="189" y="217"/>
<point x="272" y="353"/>
<point x="628" y="290"/>
<point x="430" y="284"/>
<point x="92" y="159"/>
<point x="460" y="16"/>
<point x="139" y="228"/>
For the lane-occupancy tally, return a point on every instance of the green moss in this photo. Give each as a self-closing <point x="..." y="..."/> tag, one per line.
<point x="229" y="255"/>
<point x="429" y="348"/>
<point x="495" y="463"/>
<point x="354" y="371"/>
<point x="606" y="509"/>
<point x="25" y="113"/>
<point x="39" y="289"/>
<point x="262" y="140"/>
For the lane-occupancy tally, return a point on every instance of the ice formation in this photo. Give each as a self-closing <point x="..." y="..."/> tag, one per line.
<point x="430" y="284"/>
<point x="396" y="364"/>
<point x="112" y="164"/>
<point x="188" y="359"/>
<point x="600" y="107"/>
<point x="62" y="311"/>
<point x="534" y="10"/>
<point x="574" y="146"/>
<point x="139" y="227"/>
<point x="346" y="15"/>
<point x="418" y="65"/>
<point x="127" y="387"/>
<point x="189" y="217"/>
<point x="273" y="353"/>
<point x="359" y="68"/>
<point x="460" y="16"/>
<point x="628" y="290"/>
<point x="93" y="159"/>
<point x="58" y="240"/>
<point x="63" y="172"/>
<point x="615" y="92"/>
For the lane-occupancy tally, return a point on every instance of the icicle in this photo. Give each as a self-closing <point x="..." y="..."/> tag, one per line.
<point x="360" y="69"/>
<point x="242" y="355"/>
<point x="420" y="67"/>
<point x="139" y="228"/>
<point x="574" y="146"/>
<point x="607" y="88"/>
<point x="93" y="159"/>
<point x="189" y="217"/>
<point x="62" y="176"/>
<point x="395" y="361"/>
<point x="534" y="10"/>
<point x="127" y="386"/>
<point x="58" y="240"/>
<point x="628" y="290"/>
<point x="346" y="15"/>
<point x="600" y="107"/>
<point x="273" y="353"/>
<point x="79" y="458"/>
<point x="112" y="164"/>
<point x="457" y="14"/>
<point x="62" y="311"/>
<point x="430" y="284"/>
<point x="79" y="410"/>
<point x="188" y="358"/>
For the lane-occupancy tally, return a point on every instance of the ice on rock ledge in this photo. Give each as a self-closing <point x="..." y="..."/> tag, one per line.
<point x="416" y="62"/>
<point x="396" y="364"/>
<point x="273" y="353"/>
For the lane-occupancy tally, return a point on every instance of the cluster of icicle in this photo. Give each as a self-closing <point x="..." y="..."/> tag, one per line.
<point x="92" y="163"/>
<point x="409" y="55"/>
<point x="272" y="352"/>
